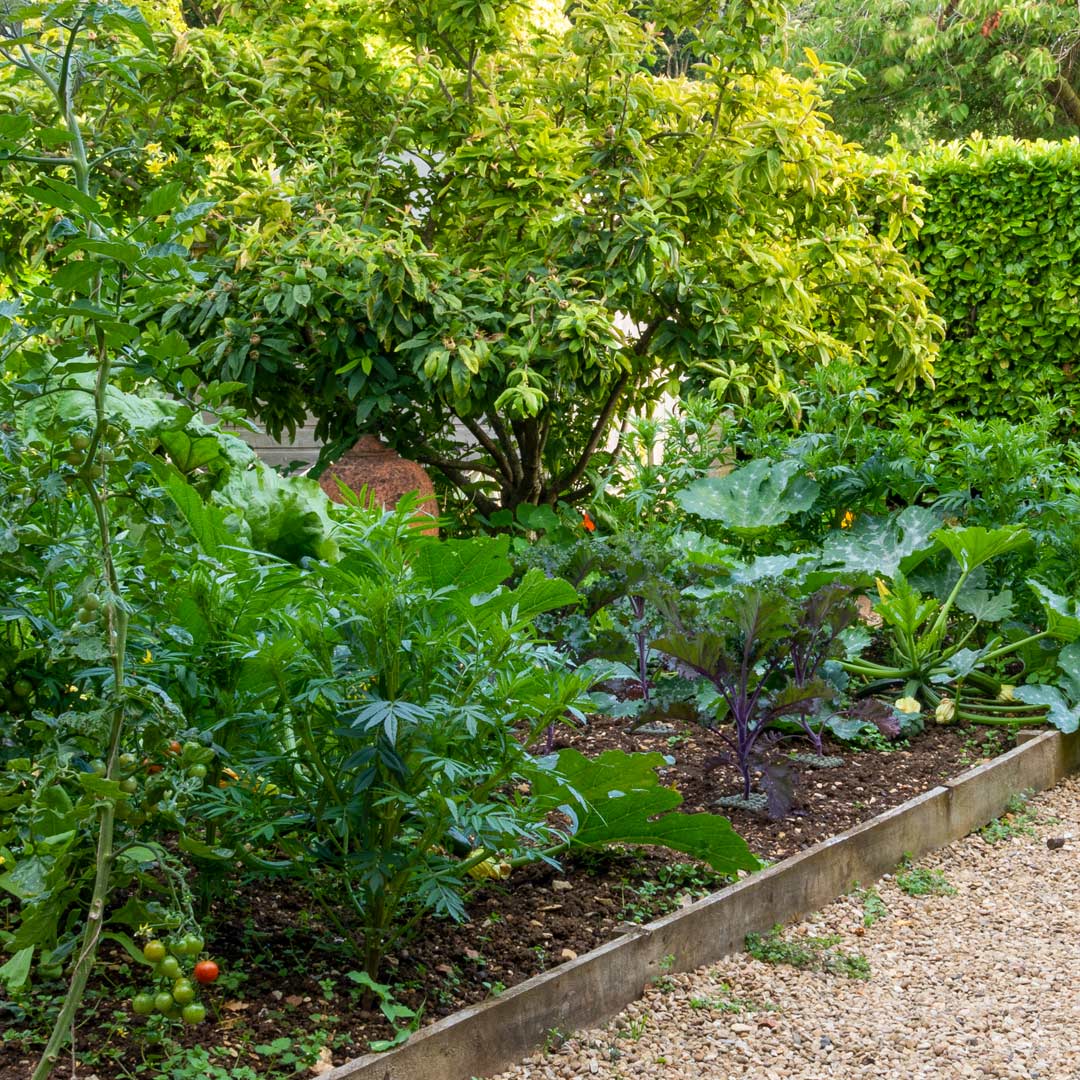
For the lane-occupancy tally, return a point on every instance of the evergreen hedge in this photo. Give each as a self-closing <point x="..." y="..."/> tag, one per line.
<point x="1000" y="248"/>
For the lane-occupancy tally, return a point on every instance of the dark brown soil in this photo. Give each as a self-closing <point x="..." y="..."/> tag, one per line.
<point x="285" y="979"/>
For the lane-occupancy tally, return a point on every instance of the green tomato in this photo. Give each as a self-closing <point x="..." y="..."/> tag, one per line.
<point x="197" y="772"/>
<point x="183" y="992"/>
<point x="127" y="761"/>
<point x="91" y="601"/>
<point x="154" y="951"/>
<point x="169" y="968"/>
<point x="22" y="688"/>
<point x="195" y="1013"/>
<point x="142" y="1004"/>
<point x="194" y="944"/>
<point x="163" y="1002"/>
<point x="130" y="785"/>
<point x="80" y="441"/>
<point x="98" y="768"/>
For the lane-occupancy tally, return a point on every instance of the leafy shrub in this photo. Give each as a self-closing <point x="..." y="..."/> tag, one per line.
<point x="998" y="249"/>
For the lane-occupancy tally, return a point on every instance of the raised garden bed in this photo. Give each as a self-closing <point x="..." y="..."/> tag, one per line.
<point x="286" y="1000"/>
<point x="488" y="1038"/>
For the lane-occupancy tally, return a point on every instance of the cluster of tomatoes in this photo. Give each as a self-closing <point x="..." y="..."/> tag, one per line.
<point x="176" y="995"/>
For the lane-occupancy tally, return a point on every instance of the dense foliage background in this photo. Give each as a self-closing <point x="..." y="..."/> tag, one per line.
<point x="743" y="426"/>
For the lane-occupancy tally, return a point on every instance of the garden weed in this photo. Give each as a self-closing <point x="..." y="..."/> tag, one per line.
<point x="1018" y="820"/>
<point x="664" y="982"/>
<point x="873" y="906"/>
<point x="922" y="880"/>
<point x="808" y="954"/>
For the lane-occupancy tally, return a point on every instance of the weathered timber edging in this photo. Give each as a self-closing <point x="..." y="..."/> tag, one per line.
<point x="484" y="1039"/>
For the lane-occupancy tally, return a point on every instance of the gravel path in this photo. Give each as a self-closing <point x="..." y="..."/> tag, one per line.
<point x="981" y="983"/>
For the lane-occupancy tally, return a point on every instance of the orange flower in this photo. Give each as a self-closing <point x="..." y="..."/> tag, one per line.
<point x="847" y="520"/>
<point x="587" y="522"/>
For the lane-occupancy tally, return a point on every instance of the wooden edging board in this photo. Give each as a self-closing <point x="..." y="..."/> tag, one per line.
<point x="485" y="1039"/>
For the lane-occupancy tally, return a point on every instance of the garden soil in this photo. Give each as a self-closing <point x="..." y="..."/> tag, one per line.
<point x="977" y="984"/>
<point x="283" y="977"/>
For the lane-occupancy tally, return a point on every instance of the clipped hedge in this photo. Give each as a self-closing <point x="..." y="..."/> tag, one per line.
<point x="1000" y="248"/>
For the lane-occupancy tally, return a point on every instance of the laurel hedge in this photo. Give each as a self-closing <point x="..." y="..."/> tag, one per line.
<point x="1000" y="248"/>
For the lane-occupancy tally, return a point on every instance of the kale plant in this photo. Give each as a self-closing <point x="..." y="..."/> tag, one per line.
<point x="763" y="652"/>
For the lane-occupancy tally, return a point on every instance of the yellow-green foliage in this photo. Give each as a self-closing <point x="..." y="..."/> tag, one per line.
<point x="1000" y="248"/>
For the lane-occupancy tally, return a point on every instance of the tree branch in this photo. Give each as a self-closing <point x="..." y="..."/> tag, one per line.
<point x="491" y="446"/>
<point x="454" y="474"/>
<point x="603" y="421"/>
<point x="507" y="442"/>
<point x="445" y="463"/>
<point x="1065" y="96"/>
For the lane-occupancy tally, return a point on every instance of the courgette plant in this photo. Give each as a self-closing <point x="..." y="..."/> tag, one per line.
<point x="936" y="653"/>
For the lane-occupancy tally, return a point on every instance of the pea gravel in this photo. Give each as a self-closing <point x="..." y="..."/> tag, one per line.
<point x="982" y="983"/>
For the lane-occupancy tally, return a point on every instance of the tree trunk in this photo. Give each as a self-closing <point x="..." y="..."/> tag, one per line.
<point x="1060" y="89"/>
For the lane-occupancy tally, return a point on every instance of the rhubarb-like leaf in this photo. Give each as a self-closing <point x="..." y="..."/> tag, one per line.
<point x="882" y="545"/>
<point x="755" y="497"/>
<point x="617" y="798"/>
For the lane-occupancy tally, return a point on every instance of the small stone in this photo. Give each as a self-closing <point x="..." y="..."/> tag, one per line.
<point x="567" y="954"/>
<point x="655" y="729"/>
<point x="1055" y="842"/>
<point x="561" y="886"/>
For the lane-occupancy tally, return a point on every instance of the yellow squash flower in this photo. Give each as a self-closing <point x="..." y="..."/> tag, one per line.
<point x="946" y="711"/>
<point x="907" y="705"/>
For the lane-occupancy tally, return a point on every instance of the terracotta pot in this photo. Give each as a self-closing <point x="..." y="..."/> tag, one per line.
<point x="385" y="472"/>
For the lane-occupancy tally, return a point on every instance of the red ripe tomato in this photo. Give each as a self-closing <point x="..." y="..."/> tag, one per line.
<point x="206" y="972"/>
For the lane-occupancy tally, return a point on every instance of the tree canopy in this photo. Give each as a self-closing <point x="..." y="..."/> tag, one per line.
<point x="945" y="69"/>
<point x="487" y="234"/>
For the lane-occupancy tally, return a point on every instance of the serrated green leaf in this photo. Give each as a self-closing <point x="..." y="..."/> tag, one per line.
<point x="617" y="798"/>
<point x="984" y="606"/>
<point x="973" y="546"/>
<point x="207" y="523"/>
<point x="473" y="566"/>
<point x="1069" y="662"/>
<point x="1062" y="617"/>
